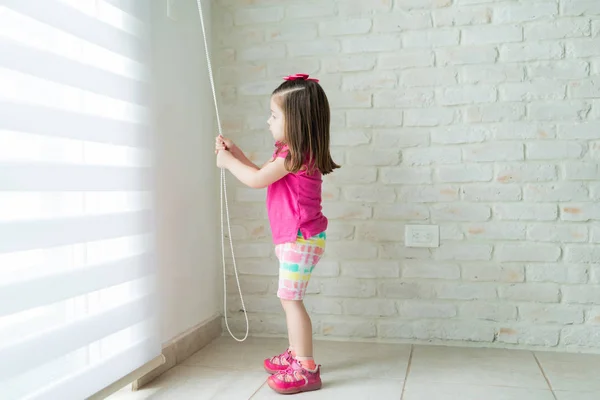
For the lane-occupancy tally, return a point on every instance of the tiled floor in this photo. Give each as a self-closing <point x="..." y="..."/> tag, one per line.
<point x="227" y="370"/>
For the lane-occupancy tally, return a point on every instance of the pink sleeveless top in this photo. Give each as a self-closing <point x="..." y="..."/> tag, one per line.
<point x="294" y="204"/>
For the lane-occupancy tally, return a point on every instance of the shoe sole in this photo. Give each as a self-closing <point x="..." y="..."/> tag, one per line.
<point x="307" y="388"/>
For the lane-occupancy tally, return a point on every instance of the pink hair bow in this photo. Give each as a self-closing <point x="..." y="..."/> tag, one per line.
<point x="303" y="77"/>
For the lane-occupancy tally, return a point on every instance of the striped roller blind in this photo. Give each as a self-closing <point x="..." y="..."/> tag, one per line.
<point x="77" y="278"/>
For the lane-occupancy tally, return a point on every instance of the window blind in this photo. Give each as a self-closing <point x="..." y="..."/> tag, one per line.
<point x="77" y="274"/>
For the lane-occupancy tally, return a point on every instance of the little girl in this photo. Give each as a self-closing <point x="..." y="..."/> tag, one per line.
<point x="299" y="123"/>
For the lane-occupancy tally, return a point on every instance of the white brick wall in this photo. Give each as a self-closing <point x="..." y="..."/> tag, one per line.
<point x="481" y="116"/>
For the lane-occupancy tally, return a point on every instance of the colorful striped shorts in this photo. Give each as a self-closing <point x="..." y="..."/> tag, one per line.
<point x="296" y="263"/>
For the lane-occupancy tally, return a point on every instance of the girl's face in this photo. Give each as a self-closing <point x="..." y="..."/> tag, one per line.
<point x="276" y="122"/>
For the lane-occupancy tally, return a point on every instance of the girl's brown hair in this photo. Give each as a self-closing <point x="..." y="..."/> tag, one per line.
<point x="306" y="131"/>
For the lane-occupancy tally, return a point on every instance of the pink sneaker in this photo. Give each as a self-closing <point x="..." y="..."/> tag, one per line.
<point x="295" y="379"/>
<point x="279" y="363"/>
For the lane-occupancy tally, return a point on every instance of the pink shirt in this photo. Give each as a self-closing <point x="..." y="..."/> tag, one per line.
<point x="294" y="204"/>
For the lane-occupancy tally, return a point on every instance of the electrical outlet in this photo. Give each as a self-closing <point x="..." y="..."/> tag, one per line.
<point x="422" y="236"/>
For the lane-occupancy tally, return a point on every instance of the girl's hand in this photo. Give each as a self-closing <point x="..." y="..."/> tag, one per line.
<point x="222" y="143"/>
<point x="223" y="158"/>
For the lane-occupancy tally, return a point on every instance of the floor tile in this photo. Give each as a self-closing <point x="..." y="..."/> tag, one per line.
<point x="488" y="367"/>
<point x="346" y="389"/>
<point x="445" y="391"/>
<point x="571" y="372"/>
<point x="561" y="395"/>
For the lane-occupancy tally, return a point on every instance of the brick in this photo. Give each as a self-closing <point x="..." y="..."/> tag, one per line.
<point x="489" y="311"/>
<point x="344" y="287"/>
<point x="558" y="29"/>
<point x="309" y="11"/>
<point x="404" y="59"/>
<point x="529" y="172"/>
<point x="349" y="99"/>
<point x="253" y="250"/>
<point x="565" y="110"/>
<point x="402" y="212"/>
<point x="460" y="212"/>
<point x="292" y="32"/>
<point x="337" y="230"/>
<point x="497" y="112"/>
<point x="356" y="26"/>
<point x="396" y="250"/>
<point x="242" y="74"/>
<point x="421" y="4"/>
<point x="428" y="194"/>
<point x="529" y="335"/>
<point x="523" y="130"/>
<point x="359" y="7"/>
<point x="531" y="52"/>
<point x="460" y="134"/>
<point x="477" y="35"/>
<point x="371" y="157"/>
<point x="343" y="327"/>
<point x="543" y="89"/>
<point x="584" y="336"/>
<point x="466" y="55"/>
<point x="429" y="117"/>
<point x="464" y="173"/>
<point x="449" y="231"/>
<point x="460" y="16"/>
<point x="244" y="37"/>
<point x="560" y="191"/>
<point x="582" y="254"/>
<point x="470" y="2"/>
<point x="381" y="118"/>
<point x="417" y="269"/>
<point x="496" y="231"/>
<point x="402" y="137"/>
<point x="492" y="73"/>
<point x="580" y="7"/>
<point x="506" y="151"/>
<point x="595" y="191"/>
<point x="583" y="48"/>
<point x="579" y="130"/>
<point x="557" y="273"/>
<point x="466" y="95"/>
<point x="493" y="273"/>
<point x="593" y="317"/>
<point x="371" y="44"/>
<point x="352" y="175"/>
<point x="405" y="290"/>
<point x="463" y="252"/>
<point x="371" y="269"/>
<point x="585" y="89"/>
<point x="429" y="77"/>
<point x="327" y="269"/>
<point x="450" y="330"/>
<point x="370" y="81"/>
<point x="352" y="63"/>
<point x="247" y="211"/>
<point x="431" y="155"/>
<point x="346" y="211"/>
<point x="404" y="98"/>
<point x="381" y="231"/>
<point x="526" y="212"/>
<point x="283" y="67"/>
<point x="518" y="13"/>
<point x="581" y="294"/>
<point x="530" y="252"/>
<point x="250" y="195"/>
<point x="420" y="309"/>
<point x="471" y="291"/>
<point x="264" y="52"/>
<point x="491" y="193"/>
<point x="262" y="15"/>
<point x="372" y="194"/>
<point x="402" y="21"/>
<point x="323" y="305"/>
<point x="557" y="233"/>
<point x="554" y="150"/>
<point x="535" y="292"/>
<point x="369" y="307"/>
<point x="313" y="48"/>
<point x="407" y="176"/>
<point x="580" y="212"/>
<point x="595" y="234"/>
<point x="572" y="69"/>
<point x="350" y="138"/>
<point x="431" y="38"/>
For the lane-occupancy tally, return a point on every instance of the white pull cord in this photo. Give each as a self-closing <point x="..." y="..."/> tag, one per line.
<point x="223" y="197"/>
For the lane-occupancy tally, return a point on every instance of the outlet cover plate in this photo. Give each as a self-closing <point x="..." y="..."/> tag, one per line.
<point x="422" y="236"/>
